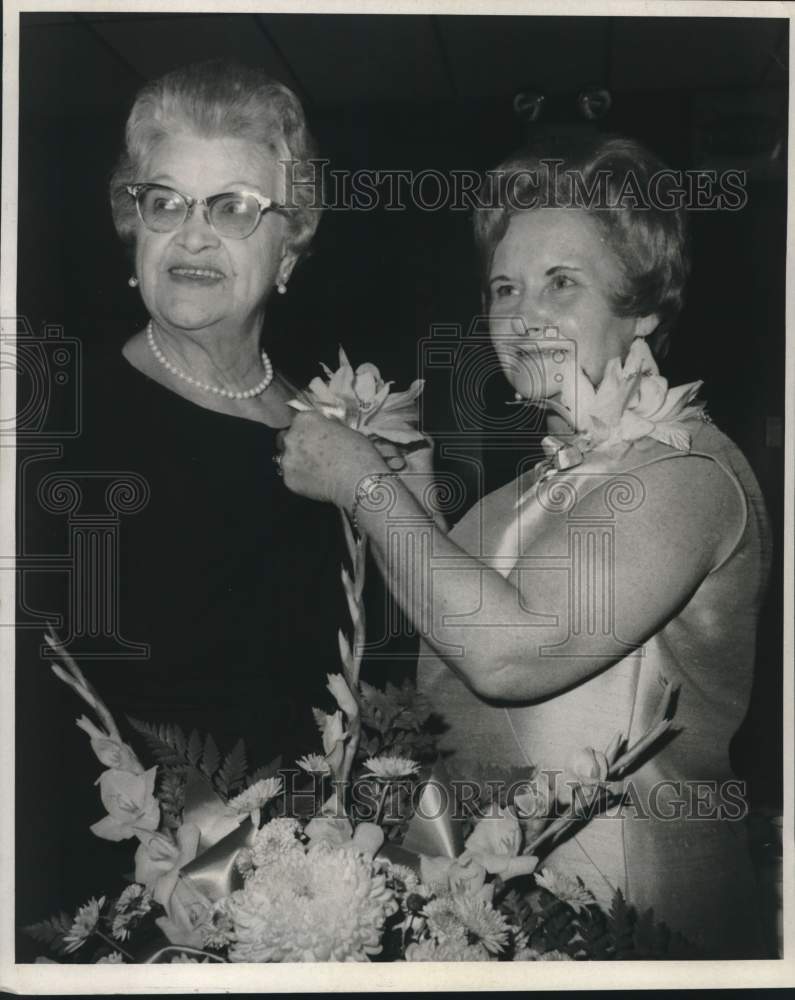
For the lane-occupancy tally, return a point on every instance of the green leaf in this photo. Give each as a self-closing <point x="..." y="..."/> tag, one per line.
<point x="194" y="749"/>
<point x="233" y="769"/>
<point x="52" y="927"/>
<point x="51" y="931"/>
<point x="171" y="795"/>
<point x="163" y="740"/>
<point x="621" y="920"/>
<point x="379" y="710"/>
<point x="211" y="758"/>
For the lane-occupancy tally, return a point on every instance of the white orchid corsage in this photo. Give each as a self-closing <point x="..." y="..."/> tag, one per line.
<point x="361" y="399"/>
<point x="633" y="406"/>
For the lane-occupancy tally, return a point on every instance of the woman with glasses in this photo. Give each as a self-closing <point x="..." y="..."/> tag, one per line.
<point x="199" y="196"/>
<point x="227" y="582"/>
<point x="218" y="608"/>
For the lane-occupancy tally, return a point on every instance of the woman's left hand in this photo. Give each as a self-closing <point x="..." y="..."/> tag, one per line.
<point x="324" y="460"/>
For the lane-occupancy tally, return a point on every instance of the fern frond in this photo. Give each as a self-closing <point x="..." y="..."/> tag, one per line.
<point x="194" y="750"/>
<point x="164" y="740"/>
<point x="233" y="769"/>
<point x="51" y="931"/>
<point x="211" y="758"/>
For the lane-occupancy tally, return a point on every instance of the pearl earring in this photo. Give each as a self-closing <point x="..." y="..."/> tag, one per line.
<point x="132" y="282"/>
<point x="281" y="287"/>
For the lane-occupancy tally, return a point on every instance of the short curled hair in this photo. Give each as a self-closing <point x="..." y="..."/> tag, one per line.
<point x="626" y="190"/>
<point x="219" y="99"/>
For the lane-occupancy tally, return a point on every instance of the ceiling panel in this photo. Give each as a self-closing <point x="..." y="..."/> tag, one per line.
<point x="64" y="68"/>
<point x="343" y="59"/>
<point x="155" y="45"/>
<point x="657" y="53"/>
<point x="492" y="56"/>
<point x="83" y="63"/>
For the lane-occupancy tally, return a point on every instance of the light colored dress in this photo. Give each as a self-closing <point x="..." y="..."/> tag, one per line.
<point x="695" y="872"/>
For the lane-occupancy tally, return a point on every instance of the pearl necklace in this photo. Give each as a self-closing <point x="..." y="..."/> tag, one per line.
<point x="258" y="389"/>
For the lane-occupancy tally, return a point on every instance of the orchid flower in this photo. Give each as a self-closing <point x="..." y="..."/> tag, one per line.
<point x="362" y="400"/>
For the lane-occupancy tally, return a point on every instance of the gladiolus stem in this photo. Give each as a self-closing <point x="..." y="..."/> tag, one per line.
<point x="382" y="802"/>
<point x="115" y="945"/>
<point x="353" y="583"/>
<point x="74" y="677"/>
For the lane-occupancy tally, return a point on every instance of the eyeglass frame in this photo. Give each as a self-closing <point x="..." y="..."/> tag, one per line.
<point x="265" y="205"/>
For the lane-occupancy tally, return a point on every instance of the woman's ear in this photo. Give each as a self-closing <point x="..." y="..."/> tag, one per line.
<point x="286" y="265"/>
<point x="646" y="325"/>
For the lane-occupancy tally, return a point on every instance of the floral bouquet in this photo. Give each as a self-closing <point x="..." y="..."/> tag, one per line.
<point x="360" y="854"/>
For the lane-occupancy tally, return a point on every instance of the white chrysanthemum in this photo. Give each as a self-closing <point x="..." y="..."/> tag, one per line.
<point x="134" y="902"/>
<point x="404" y="874"/>
<point x="391" y="768"/>
<point x="314" y="763"/>
<point x="454" y="950"/>
<point x="256" y="795"/>
<point x="482" y="922"/>
<point x="217" y="930"/>
<point x="319" y="906"/>
<point x="135" y="897"/>
<point x="120" y="927"/>
<point x="115" y="958"/>
<point x="274" y="839"/>
<point x="567" y="889"/>
<point x="244" y="862"/>
<point x="84" y="924"/>
<point x="442" y="919"/>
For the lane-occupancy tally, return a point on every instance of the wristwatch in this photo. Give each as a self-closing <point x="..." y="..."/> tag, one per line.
<point x="367" y="489"/>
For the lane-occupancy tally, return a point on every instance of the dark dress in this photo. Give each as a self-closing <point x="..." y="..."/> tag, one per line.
<point x="231" y="581"/>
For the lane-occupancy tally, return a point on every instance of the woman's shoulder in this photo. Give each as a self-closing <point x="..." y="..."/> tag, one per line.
<point x="712" y="474"/>
<point x="708" y="458"/>
<point x="703" y="494"/>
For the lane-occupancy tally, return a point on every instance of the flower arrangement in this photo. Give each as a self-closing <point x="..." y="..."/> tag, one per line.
<point x="365" y="857"/>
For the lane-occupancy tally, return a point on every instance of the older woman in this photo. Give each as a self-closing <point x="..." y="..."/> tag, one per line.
<point x="224" y="603"/>
<point x="633" y="555"/>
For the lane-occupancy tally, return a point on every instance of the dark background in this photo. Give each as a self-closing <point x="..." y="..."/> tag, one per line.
<point x="418" y="92"/>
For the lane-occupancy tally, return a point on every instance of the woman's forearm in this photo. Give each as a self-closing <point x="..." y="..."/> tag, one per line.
<point x="465" y="611"/>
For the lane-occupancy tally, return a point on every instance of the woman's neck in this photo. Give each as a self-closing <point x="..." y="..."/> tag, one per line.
<point x="558" y="425"/>
<point x="229" y="360"/>
<point x="213" y="368"/>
